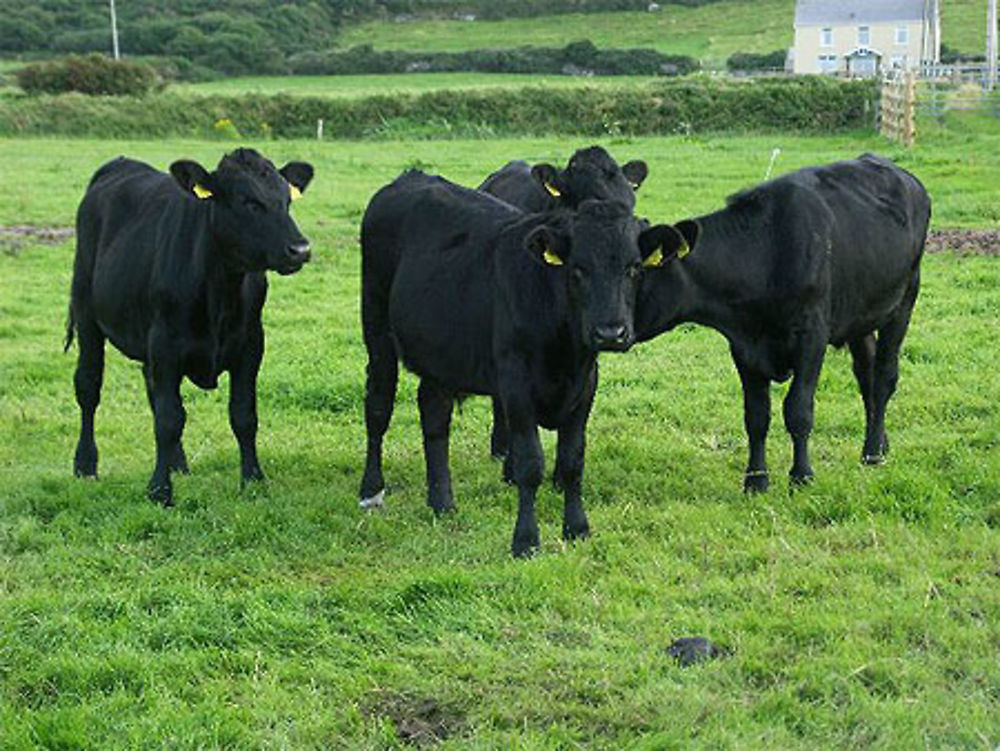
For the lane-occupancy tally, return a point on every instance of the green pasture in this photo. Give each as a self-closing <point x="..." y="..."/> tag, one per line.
<point x="710" y="33"/>
<point x="409" y="83"/>
<point x="861" y="612"/>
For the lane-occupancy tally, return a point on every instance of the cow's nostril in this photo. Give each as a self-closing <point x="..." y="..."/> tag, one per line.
<point x="611" y="333"/>
<point x="299" y="251"/>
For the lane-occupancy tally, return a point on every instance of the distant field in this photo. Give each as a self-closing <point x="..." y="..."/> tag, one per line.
<point x="709" y="33"/>
<point x="413" y="83"/>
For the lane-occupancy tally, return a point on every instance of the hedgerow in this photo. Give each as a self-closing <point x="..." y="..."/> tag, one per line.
<point x="89" y="74"/>
<point x="690" y="105"/>
<point x="576" y="58"/>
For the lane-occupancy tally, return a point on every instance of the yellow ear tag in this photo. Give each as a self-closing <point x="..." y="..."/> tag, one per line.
<point x="553" y="191"/>
<point x="683" y="250"/>
<point x="294" y="192"/>
<point x="551" y="258"/>
<point x="654" y="259"/>
<point x="202" y="192"/>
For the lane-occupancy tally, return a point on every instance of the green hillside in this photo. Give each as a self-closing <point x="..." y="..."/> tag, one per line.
<point x="709" y="33"/>
<point x="254" y="36"/>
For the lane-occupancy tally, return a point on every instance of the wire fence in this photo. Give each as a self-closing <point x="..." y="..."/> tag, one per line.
<point x="939" y="91"/>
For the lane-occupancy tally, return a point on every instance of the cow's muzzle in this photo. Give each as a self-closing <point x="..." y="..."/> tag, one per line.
<point x="295" y="257"/>
<point x="616" y="338"/>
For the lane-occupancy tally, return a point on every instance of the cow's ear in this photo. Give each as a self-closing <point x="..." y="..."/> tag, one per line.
<point x="298" y="175"/>
<point x="546" y="246"/>
<point x="193" y="178"/>
<point x="635" y="172"/>
<point x="660" y="244"/>
<point x="549" y="178"/>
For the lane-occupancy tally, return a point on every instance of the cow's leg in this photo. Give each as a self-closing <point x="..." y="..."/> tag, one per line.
<point x="886" y="374"/>
<point x="380" y="395"/>
<point x="243" y="402"/>
<point x="87" y="382"/>
<point x="169" y="417"/>
<point x="435" y="422"/>
<point x="798" y="405"/>
<point x="756" y="421"/>
<point x="863" y="361"/>
<point x="568" y="473"/>
<point x="179" y="461"/>
<point x="498" y="435"/>
<point x="526" y="464"/>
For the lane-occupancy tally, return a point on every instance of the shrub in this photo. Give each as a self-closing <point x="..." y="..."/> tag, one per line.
<point x="757" y="60"/>
<point x="577" y="57"/>
<point x="92" y="74"/>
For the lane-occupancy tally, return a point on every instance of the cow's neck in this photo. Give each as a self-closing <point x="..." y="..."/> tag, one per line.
<point x="706" y="287"/>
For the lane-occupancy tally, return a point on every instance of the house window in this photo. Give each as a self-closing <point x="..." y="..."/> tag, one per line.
<point x="902" y="35"/>
<point x="828" y="63"/>
<point x="826" y="37"/>
<point x="864" y="36"/>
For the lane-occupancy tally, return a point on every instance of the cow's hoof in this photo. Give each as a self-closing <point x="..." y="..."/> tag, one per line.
<point x="374" y="502"/>
<point x="444" y="508"/>
<point x="800" y="480"/>
<point x="873" y="460"/>
<point x="525" y="545"/>
<point x="161" y="494"/>
<point x="85" y="473"/>
<point x="756" y="481"/>
<point x="252" y="478"/>
<point x="576" y="531"/>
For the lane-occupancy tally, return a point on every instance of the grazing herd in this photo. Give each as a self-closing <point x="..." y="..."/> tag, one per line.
<point x="510" y="290"/>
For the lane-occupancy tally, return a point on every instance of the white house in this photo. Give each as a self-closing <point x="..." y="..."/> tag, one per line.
<point x="864" y="37"/>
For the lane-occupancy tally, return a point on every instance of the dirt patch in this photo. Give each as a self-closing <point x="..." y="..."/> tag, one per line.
<point x="17" y="237"/>
<point x="418" y="720"/>
<point x="983" y="242"/>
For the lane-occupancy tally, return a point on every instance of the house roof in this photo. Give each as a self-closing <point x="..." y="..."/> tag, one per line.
<point x="838" y="12"/>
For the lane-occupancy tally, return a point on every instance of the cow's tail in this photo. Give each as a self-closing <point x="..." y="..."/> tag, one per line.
<point x="70" y="329"/>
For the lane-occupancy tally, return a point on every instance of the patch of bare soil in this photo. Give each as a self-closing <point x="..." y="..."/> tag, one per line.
<point x="419" y="721"/>
<point x="15" y="238"/>
<point x="983" y="242"/>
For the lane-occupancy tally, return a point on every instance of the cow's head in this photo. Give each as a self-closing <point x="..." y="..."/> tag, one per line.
<point x="249" y="208"/>
<point x="600" y="250"/>
<point x="591" y="174"/>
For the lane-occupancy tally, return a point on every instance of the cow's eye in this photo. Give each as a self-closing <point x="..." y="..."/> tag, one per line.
<point x="254" y="205"/>
<point x="634" y="271"/>
<point x="578" y="274"/>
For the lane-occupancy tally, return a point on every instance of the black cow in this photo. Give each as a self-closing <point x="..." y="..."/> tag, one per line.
<point x="170" y="268"/>
<point x="590" y="174"/>
<point x="825" y="255"/>
<point x="478" y="298"/>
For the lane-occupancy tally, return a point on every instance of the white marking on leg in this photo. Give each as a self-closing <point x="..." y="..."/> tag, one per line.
<point x="374" y="502"/>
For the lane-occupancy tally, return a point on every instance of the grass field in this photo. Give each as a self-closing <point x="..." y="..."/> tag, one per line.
<point x="709" y="33"/>
<point x="368" y="85"/>
<point x="862" y="612"/>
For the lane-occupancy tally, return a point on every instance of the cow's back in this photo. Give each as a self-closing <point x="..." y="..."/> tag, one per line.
<point x="881" y="215"/>
<point x="427" y="248"/>
<point x="131" y="217"/>
<point x="514" y="184"/>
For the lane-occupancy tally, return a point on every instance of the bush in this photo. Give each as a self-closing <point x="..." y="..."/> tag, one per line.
<point x="92" y="74"/>
<point x="577" y="57"/>
<point x="691" y="105"/>
<point x="757" y="61"/>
